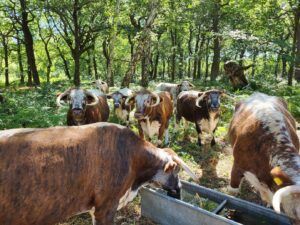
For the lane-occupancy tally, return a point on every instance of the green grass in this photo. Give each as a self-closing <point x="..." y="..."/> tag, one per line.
<point x="24" y="107"/>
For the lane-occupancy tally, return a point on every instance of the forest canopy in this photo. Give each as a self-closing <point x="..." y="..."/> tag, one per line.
<point x="125" y="41"/>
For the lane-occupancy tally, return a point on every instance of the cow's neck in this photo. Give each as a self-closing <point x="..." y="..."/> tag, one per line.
<point x="148" y="162"/>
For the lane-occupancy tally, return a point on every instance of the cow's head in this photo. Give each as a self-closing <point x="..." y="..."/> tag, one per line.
<point x="101" y="85"/>
<point x="78" y="100"/>
<point x="184" y="86"/>
<point x="119" y="97"/>
<point x="286" y="199"/>
<point x="167" y="176"/>
<point x="211" y="98"/>
<point x="144" y="100"/>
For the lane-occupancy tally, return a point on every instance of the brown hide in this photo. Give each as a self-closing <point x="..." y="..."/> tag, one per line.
<point x="186" y="108"/>
<point x="93" y="114"/>
<point x="48" y="175"/>
<point x="254" y="141"/>
<point x="236" y="75"/>
<point x="161" y="113"/>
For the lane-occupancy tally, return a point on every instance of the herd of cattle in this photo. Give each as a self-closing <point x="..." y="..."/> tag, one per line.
<point x="50" y="174"/>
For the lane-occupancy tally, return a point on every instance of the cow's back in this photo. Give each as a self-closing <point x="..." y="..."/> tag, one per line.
<point x="50" y="174"/>
<point x="258" y="127"/>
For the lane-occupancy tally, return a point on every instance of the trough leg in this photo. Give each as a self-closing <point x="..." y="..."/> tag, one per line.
<point x="199" y="132"/>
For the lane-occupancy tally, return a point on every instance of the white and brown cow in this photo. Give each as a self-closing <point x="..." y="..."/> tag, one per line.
<point x="201" y="108"/>
<point x="85" y="106"/>
<point x="101" y="85"/>
<point x="175" y="89"/>
<point x="48" y="175"/>
<point x="121" y="110"/>
<point x="153" y="112"/>
<point x="266" y="152"/>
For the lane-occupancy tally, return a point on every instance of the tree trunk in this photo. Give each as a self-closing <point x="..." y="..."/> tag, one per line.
<point x="255" y="52"/>
<point x="277" y="65"/>
<point x="29" y="76"/>
<point x="215" y="67"/>
<point x="144" y="40"/>
<point x="20" y="61"/>
<point x="207" y="58"/>
<point x="196" y="54"/>
<point x="164" y="68"/>
<point x="29" y="43"/>
<point x="65" y="62"/>
<point x="297" y="34"/>
<point x="173" y="56"/>
<point x="190" y="50"/>
<point x="156" y="60"/>
<point x="76" y="51"/>
<point x="180" y="66"/>
<point x="49" y="64"/>
<point x="283" y="69"/>
<point x="5" y="48"/>
<point x="200" y="57"/>
<point x="95" y="63"/>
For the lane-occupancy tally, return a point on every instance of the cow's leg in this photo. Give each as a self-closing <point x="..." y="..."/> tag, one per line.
<point x="127" y="120"/>
<point x="105" y="215"/>
<point x="265" y="192"/>
<point x="199" y="132"/>
<point x="141" y="132"/>
<point x="161" y="132"/>
<point x="167" y="133"/>
<point x="235" y="180"/>
<point x="213" y="141"/>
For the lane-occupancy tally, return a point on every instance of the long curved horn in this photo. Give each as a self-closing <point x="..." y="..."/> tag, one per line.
<point x="67" y="92"/>
<point x="191" y="84"/>
<point x="281" y="193"/>
<point x="185" y="167"/>
<point x="94" y="97"/>
<point x="128" y="99"/>
<point x="155" y="95"/>
<point x="200" y="99"/>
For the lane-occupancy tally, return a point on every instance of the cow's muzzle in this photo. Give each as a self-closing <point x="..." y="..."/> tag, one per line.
<point x="176" y="193"/>
<point x="117" y="105"/>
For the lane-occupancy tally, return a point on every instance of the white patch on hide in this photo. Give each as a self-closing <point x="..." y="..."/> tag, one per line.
<point x="265" y="192"/>
<point x="150" y="128"/>
<point x="127" y="197"/>
<point x="232" y="190"/>
<point x="209" y="125"/>
<point x="121" y="113"/>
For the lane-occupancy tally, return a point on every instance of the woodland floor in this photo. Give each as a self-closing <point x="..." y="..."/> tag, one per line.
<point x="212" y="164"/>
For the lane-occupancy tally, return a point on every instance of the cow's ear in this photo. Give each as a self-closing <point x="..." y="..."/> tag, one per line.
<point x="170" y="166"/>
<point x="280" y="177"/>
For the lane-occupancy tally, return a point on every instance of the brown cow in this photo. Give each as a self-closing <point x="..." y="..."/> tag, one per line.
<point x="266" y="151"/>
<point x="86" y="106"/>
<point x="201" y="108"/>
<point x="236" y="75"/>
<point x="48" y="175"/>
<point x="153" y="112"/>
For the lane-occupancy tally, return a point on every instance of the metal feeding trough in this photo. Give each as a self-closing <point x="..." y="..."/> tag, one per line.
<point x="165" y="210"/>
